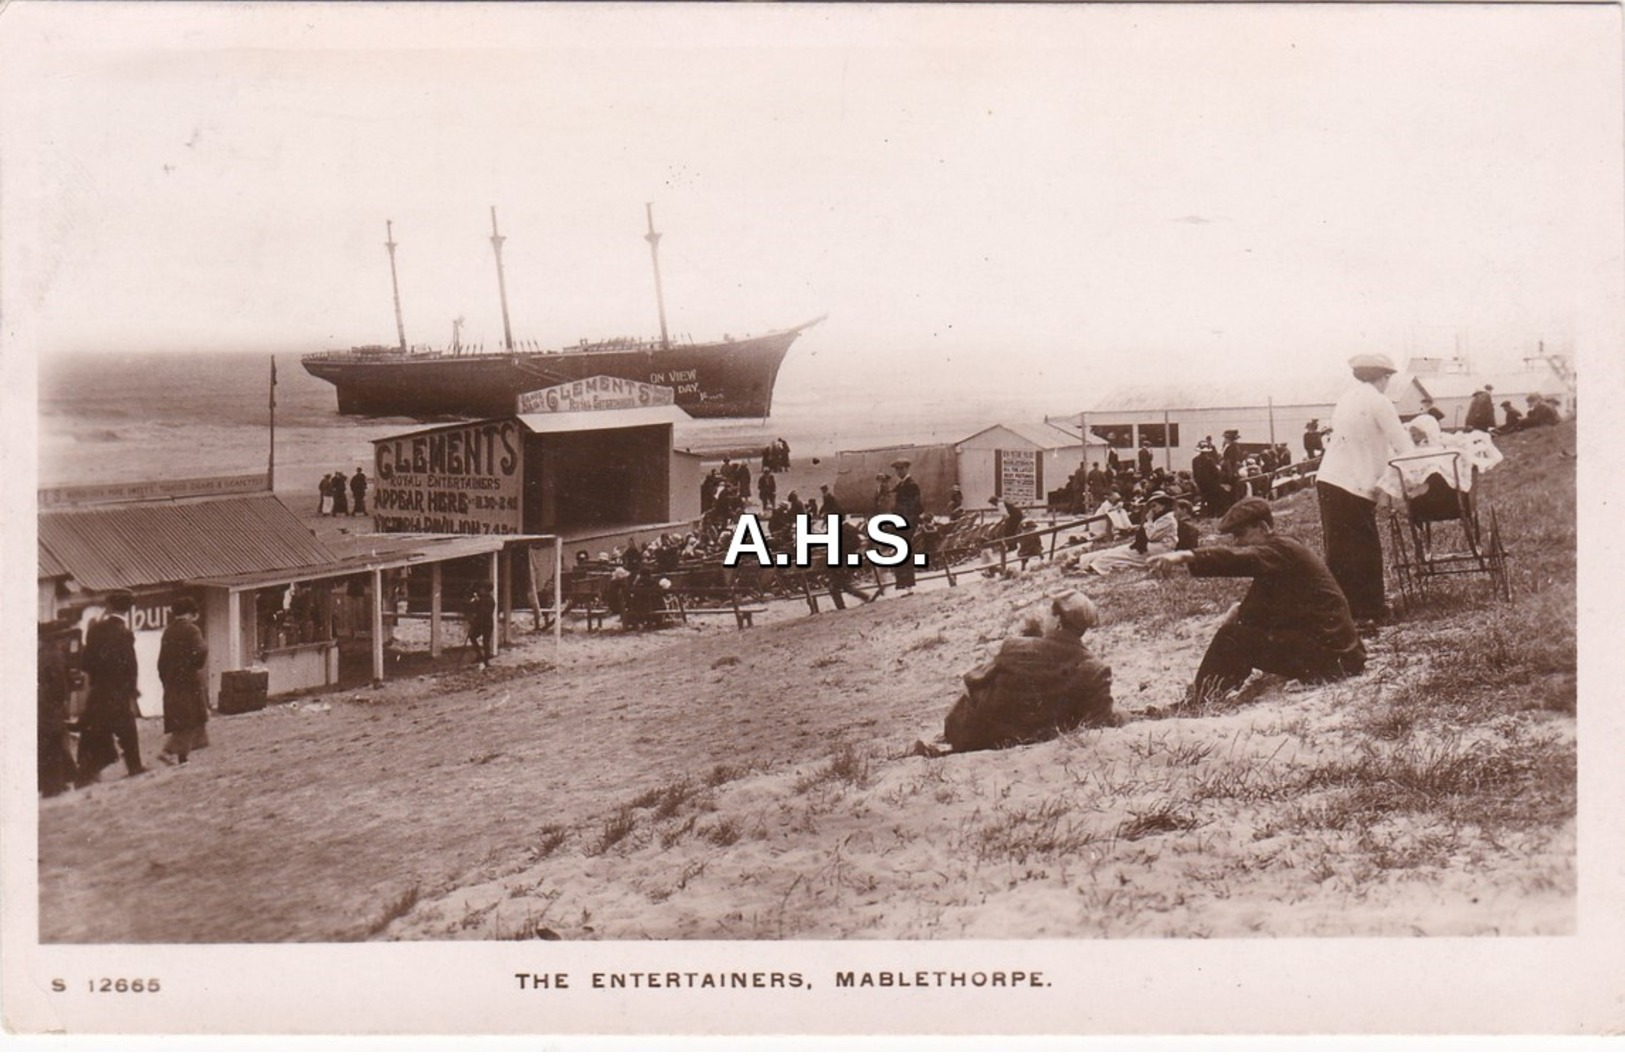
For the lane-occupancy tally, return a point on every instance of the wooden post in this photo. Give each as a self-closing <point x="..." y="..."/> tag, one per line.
<point x="234" y="640"/>
<point x="496" y="636"/>
<point x="505" y="608"/>
<point x="377" y="625"/>
<point x="436" y="600"/>
<point x="535" y="592"/>
<point x="558" y="594"/>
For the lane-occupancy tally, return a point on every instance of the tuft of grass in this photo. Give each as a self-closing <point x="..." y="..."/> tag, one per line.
<point x="664" y="800"/>
<point x="1166" y="815"/>
<point x="550" y="838"/>
<point x="1044" y="830"/>
<point x="395" y="908"/>
<point x="848" y="766"/>
<point x="722" y="773"/>
<point x="724" y="833"/>
<point x="1532" y="783"/>
<point x="617" y="827"/>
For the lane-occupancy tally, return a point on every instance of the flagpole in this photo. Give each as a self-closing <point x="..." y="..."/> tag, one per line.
<point x="270" y="466"/>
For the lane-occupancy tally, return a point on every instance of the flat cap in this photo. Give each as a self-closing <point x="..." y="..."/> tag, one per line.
<point x="1251" y="510"/>
<point x="1076" y="612"/>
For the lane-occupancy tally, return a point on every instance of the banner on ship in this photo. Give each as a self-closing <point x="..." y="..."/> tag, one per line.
<point x="598" y="393"/>
<point x="460" y="480"/>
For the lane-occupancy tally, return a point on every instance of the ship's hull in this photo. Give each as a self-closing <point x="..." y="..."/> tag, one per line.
<point x="726" y="379"/>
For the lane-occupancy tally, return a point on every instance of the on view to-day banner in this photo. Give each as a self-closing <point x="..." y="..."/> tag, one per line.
<point x="1020" y="475"/>
<point x="462" y="480"/>
<point x="598" y="393"/>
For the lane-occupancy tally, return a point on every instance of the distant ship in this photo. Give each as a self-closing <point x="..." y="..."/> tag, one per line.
<point x="730" y="378"/>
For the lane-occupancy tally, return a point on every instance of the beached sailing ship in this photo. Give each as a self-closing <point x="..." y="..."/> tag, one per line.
<point x="730" y="378"/>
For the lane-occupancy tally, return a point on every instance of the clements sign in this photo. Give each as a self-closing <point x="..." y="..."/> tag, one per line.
<point x="600" y="393"/>
<point x="462" y="480"/>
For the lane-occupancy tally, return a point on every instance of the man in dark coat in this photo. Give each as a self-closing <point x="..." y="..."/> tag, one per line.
<point x="1208" y="474"/>
<point x="767" y="488"/>
<point x="358" y="492"/>
<point x="1541" y="412"/>
<point x="1036" y="686"/>
<point x="1146" y="458"/>
<point x="1098" y="484"/>
<point x="907" y="503"/>
<point x="183" y="659"/>
<point x="482" y="622"/>
<point x="827" y="503"/>
<point x="1294" y="620"/>
<point x="1313" y="445"/>
<point x="1481" y="411"/>
<point x="1514" y="417"/>
<point x="708" y="490"/>
<point x="109" y="662"/>
<point x="55" y="683"/>
<point x="324" y="493"/>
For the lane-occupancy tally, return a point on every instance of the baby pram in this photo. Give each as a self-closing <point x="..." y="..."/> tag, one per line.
<point x="1436" y="529"/>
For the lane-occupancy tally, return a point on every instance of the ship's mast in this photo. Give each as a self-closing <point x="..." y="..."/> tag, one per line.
<point x="653" y="238"/>
<point x="394" y="282"/>
<point x="502" y="282"/>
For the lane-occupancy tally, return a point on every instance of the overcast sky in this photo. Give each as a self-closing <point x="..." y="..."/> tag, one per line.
<point x="1090" y="194"/>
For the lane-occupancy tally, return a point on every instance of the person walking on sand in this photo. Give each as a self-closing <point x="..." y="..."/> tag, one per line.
<point x="358" y="491"/>
<point x="1366" y="433"/>
<point x="339" y="491"/>
<point x="1294" y="620"/>
<point x="906" y="503"/>
<point x="324" y="494"/>
<point x="481" y="623"/>
<point x="767" y="488"/>
<point x="183" y="658"/>
<point x="109" y="662"/>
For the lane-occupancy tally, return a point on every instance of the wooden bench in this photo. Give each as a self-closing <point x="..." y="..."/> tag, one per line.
<point x="744" y="614"/>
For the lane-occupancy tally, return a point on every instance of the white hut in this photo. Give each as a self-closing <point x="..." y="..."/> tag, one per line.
<point x="1021" y="462"/>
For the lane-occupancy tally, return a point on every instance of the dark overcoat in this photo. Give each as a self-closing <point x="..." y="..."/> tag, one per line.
<point x="183" y="658"/>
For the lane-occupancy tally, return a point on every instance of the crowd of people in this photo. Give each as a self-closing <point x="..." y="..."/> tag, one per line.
<point x="107" y="669"/>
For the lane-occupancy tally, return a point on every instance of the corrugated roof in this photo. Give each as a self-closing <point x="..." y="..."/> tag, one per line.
<point x="1221" y="396"/>
<point x="1042" y="435"/>
<point x="106" y="547"/>
<point x="1450" y="386"/>
<point x="386" y="551"/>
<point x="49" y="566"/>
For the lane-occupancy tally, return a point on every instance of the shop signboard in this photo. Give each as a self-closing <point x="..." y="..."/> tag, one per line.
<point x="598" y="393"/>
<point x="1020" y="476"/>
<point x="463" y="479"/>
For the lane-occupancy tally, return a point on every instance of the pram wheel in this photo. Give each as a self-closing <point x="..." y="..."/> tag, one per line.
<point x="1496" y="556"/>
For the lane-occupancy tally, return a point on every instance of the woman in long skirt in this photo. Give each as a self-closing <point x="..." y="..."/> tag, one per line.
<point x="183" y="658"/>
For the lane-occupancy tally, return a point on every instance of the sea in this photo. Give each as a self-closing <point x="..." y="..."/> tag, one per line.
<point x="125" y="417"/>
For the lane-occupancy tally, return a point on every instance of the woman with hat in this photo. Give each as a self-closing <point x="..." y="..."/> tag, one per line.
<point x="1158" y="534"/>
<point x="1366" y="433"/>
<point x="183" y="657"/>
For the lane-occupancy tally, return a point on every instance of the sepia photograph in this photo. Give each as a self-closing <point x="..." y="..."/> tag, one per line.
<point x="806" y="519"/>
